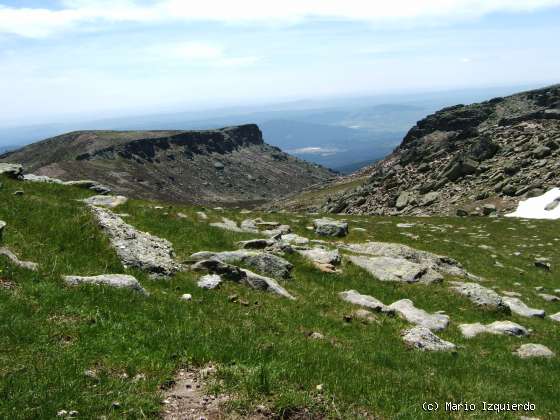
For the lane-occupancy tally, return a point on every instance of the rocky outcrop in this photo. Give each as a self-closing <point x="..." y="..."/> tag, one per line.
<point x="137" y="249"/>
<point x="531" y="350"/>
<point x="464" y="157"/>
<point x="480" y="295"/>
<point x="120" y="281"/>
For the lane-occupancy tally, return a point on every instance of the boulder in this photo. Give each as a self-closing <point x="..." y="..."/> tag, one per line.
<point x="421" y="338"/>
<point x="294" y="239"/>
<point x="321" y="255"/>
<point x="330" y="227"/>
<point x="498" y="328"/>
<point x="121" y="281"/>
<point x="530" y="350"/>
<point x="213" y="266"/>
<point x="406" y="310"/>
<point x="396" y="269"/>
<point x="541" y="152"/>
<point x="137" y="249"/>
<point x="263" y="262"/>
<point x="109" y="201"/>
<point x="460" y="168"/>
<point x="210" y="281"/>
<point x="366" y="301"/>
<point x="403" y="200"/>
<point x="480" y="295"/>
<point x="12" y="170"/>
<point x="266" y="284"/>
<point x="488" y="209"/>
<point x="430" y="198"/>
<point x="517" y="306"/>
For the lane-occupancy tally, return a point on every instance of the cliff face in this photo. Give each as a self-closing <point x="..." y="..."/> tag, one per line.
<point x="227" y="166"/>
<point x="464" y="157"/>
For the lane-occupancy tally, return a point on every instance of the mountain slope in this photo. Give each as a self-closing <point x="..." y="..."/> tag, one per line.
<point x="463" y="157"/>
<point x="229" y="165"/>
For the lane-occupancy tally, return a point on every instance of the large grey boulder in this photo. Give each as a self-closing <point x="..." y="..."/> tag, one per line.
<point x="28" y="265"/>
<point x="12" y="170"/>
<point x="533" y="350"/>
<point x="438" y="263"/>
<point x="421" y="338"/>
<point x="406" y="310"/>
<point x="517" y="306"/>
<point x="324" y="259"/>
<point x="137" y="249"/>
<point x="497" y="328"/>
<point x="354" y="297"/>
<point x="121" y="281"/>
<point x="266" y="284"/>
<point x="330" y="227"/>
<point x="403" y="200"/>
<point x="396" y="269"/>
<point x="109" y="201"/>
<point x="480" y="295"/>
<point x="263" y="262"/>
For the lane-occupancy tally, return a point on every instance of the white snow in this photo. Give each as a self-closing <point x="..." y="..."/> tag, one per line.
<point x="534" y="208"/>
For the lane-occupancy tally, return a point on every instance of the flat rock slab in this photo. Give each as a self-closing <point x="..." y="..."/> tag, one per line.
<point x="42" y="179"/>
<point x="109" y="201"/>
<point x="330" y="227"/>
<point x="480" y="295"/>
<point x="295" y="239"/>
<point x="421" y="338"/>
<point x="365" y="301"/>
<point x="498" y="328"/>
<point x="396" y="269"/>
<point x="263" y="262"/>
<point x="406" y="310"/>
<point x="437" y="263"/>
<point x="266" y="284"/>
<point x="137" y="249"/>
<point x="28" y="265"/>
<point x="517" y="306"/>
<point x="533" y="350"/>
<point x="120" y="281"/>
<point x="321" y="255"/>
<point x="13" y="170"/>
<point x="210" y="281"/>
<point x="549" y="298"/>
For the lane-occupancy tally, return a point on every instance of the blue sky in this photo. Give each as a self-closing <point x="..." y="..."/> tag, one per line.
<point x="93" y="58"/>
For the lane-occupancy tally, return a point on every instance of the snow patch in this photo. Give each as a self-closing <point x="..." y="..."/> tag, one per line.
<point x="541" y="207"/>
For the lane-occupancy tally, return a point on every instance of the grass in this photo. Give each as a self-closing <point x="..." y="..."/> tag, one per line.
<point x="51" y="334"/>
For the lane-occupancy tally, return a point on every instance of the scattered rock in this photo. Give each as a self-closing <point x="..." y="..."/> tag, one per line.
<point x="533" y="350"/>
<point x="201" y="215"/>
<point x="294" y="239"/>
<point x="186" y="297"/>
<point x="121" y="281"/>
<point x="316" y="336"/>
<point x="488" y="209"/>
<point x="267" y="284"/>
<point x="109" y="201"/>
<point x="517" y="306"/>
<point x="549" y="298"/>
<point x="16" y="261"/>
<point x="555" y="317"/>
<point x="366" y="301"/>
<point x="542" y="263"/>
<point x="330" y="227"/>
<point x="498" y="328"/>
<point x="210" y="281"/>
<point x="396" y="269"/>
<point x="137" y="249"/>
<point x="324" y="259"/>
<point x="422" y="338"/>
<point x="480" y="296"/>
<point x="406" y="309"/>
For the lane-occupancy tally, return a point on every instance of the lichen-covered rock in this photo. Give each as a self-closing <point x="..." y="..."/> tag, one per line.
<point x="480" y="295"/>
<point x="137" y="249"/>
<point x="210" y="281"/>
<point x="406" y="309"/>
<point x="517" y="306"/>
<point x="498" y="328"/>
<point x="396" y="269"/>
<point x="330" y="227"/>
<point x="121" y="281"/>
<point x="366" y="301"/>
<point x="534" y="350"/>
<point x="421" y="338"/>
<point x="109" y="201"/>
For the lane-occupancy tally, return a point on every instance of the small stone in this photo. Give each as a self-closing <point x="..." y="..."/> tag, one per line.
<point x="316" y="336"/>
<point x="549" y="298"/>
<point x="19" y="193"/>
<point x="210" y="281"/>
<point x="186" y="297"/>
<point x="541" y="263"/>
<point x="423" y="339"/>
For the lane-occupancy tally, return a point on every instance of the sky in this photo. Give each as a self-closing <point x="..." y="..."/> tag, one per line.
<point x="100" y="58"/>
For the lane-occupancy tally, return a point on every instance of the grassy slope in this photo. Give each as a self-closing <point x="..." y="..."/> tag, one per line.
<point x="50" y="334"/>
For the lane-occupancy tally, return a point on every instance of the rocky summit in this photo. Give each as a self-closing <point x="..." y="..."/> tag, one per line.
<point x="467" y="159"/>
<point x="225" y="166"/>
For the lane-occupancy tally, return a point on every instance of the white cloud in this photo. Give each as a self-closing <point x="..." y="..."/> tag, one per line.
<point x="37" y="22"/>
<point x="200" y="53"/>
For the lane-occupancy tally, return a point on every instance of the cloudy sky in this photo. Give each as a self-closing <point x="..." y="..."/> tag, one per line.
<point x="101" y="57"/>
